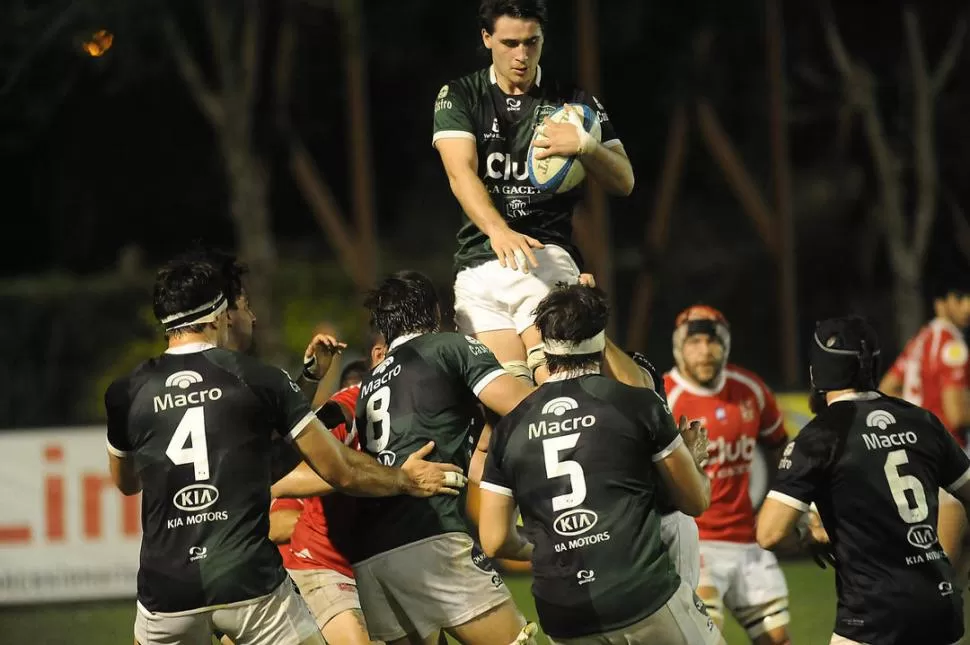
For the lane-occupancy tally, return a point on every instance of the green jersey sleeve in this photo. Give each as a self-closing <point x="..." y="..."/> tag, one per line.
<point x="284" y="404"/>
<point x="452" y="115"/>
<point x="467" y="359"/>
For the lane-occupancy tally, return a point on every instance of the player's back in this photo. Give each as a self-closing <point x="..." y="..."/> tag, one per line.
<point x="931" y="360"/>
<point x="578" y="455"/>
<point x="880" y="509"/>
<point x="198" y="424"/>
<point x="424" y="390"/>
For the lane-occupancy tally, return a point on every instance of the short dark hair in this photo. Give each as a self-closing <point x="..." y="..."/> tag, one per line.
<point x="182" y="285"/>
<point x="354" y="372"/>
<point x="230" y="269"/>
<point x="491" y="10"/>
<point x="950" y="282"/>
<point x="572" y="313"/>
<point x="403" y="303"/>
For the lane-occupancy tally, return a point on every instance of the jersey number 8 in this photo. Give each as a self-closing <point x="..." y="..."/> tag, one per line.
<point x="899" y="484"/>
<point x="378" y="431"/>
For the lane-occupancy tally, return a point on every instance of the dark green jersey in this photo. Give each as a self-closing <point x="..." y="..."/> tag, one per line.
<point x="502" y="126"/>
<point x="576" y="456"/>
<point x="199" y="424"/>
<point x="425" y="390"/>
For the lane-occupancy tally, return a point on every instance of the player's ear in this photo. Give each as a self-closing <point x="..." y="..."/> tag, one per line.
<point x="486" y="39"/>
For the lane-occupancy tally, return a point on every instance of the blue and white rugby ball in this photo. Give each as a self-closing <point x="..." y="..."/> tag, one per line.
<point x="557" y="174"/>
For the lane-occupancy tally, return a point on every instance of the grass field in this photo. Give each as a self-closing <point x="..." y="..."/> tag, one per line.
<point x="812" y="593"/>
<point x="106" y="623"/>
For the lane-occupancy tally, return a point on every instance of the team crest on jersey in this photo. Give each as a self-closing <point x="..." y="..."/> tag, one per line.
<point x="747" y="410"/>
<point x="720" y="414"/>
<point x="542" y="111"/>
<point x="954" y="354"/>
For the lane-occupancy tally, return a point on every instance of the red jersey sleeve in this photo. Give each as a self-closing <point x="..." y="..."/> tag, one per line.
<point x="347" y="399"/>
<point x="286" y="504"/>
<point x="953" y="363"/>
<point x="771" y="431"/>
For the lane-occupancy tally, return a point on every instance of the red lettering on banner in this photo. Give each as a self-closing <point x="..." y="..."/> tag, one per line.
<point x="54" y="496"/>
<point x="92" y="485"/>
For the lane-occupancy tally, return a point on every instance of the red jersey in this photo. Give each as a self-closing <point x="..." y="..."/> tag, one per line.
<point x="738" y="412"/>
<point x="283" y="504"/>
<point x="311" y="545"/>
<point x="935" y="359"/>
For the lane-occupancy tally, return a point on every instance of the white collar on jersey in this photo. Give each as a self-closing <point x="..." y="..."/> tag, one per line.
<point x="190" y="348"/>
<point x="699" y="390"/>
<point x="400" y="340"/>
<point x="869" y="395"/>
<point x="493" y="80"/>
<point x="947" y="325"/>
<point x="568" y="374"/>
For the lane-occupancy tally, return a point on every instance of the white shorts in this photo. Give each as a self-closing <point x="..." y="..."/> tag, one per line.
<point x="489" y="297"/>
<point x="746" y="577"/>
<point x="678" y="532"/>
<point x="280" y="618"/>
<point x="429" y="585"/>
<point x="327" y="592"/>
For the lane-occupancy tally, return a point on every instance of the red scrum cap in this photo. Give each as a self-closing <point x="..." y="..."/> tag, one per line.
<point x="700" y="319"/>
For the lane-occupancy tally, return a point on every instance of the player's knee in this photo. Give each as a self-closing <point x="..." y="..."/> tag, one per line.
<point x="518" y="369"/>
<point x="765" y="623"/>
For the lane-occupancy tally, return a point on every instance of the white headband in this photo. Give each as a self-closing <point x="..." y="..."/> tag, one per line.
<point x="206" y="313"/>
<point x="592" y="345"/>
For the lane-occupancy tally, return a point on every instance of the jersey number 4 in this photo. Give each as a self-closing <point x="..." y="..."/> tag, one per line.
<point x="899" y="484"/>
<point x="188" y="444"/>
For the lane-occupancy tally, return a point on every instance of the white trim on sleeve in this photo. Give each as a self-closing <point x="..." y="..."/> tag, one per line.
<point x="774" y="426"/>
<point x="964" y="478"/>
<point x="121" y="454"/>
<point x="300" y="426"/>
<point x="495" y="488"/>
<point x="451" y="134"/>
<point x="485" y="380"/>
<point x="671" y="447"/>
<point x="788" y="500"/>
<point x="612" y="143"/>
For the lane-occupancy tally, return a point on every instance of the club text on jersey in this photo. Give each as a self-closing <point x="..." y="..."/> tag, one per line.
<point x="169" y="401"/>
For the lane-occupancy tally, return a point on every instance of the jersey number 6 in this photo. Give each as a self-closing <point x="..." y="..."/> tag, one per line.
<point x="899" y="484"/>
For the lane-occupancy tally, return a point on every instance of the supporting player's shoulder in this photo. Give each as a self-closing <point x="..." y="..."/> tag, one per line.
<point x="632" y="402"/>
<point x="251" y="372"/>
<point x="469" y="88"/>
<point x="745" y="379"/>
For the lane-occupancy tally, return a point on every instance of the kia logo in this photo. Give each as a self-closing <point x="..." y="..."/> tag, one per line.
<point x="575" y="522"/>
<point x="195" y="497"/>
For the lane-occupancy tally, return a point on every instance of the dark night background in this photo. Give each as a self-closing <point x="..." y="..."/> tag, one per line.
<point x="108" y="153"/>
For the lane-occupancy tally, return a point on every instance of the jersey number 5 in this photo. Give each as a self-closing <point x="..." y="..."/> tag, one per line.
<point x="899" y="484"/>
<point x="555" y="468"/>
<point x="378" y="431"/>
<point x="188" y="444"/>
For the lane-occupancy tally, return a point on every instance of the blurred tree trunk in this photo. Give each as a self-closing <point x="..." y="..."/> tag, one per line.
<point x="353" y="238"/>
<point x="228" y="103"/>
<point x="593" y="233"/>
<point x="657" y="231"/>
<point x="908" y="241"/>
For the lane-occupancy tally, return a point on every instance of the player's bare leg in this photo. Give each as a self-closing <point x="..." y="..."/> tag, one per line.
<point x="347" y="628"/>
<point x="508" y="349"/>
<point x="414" y="639"/>
<point x="500" y="624"/>
<point x="777" y="636"/>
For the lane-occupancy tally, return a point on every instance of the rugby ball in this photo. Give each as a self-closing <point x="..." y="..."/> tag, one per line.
<point x="558" y="174"/>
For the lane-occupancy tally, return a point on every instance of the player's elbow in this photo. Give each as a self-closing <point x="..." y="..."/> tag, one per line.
<point x="769" y="536"/>
<point x="695" y="505"/>
<point x="491" y="542"/>
<point x="627" y="182"/>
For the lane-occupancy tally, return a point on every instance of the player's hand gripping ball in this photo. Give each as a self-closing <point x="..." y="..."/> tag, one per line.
<point x="560" y="173"/>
